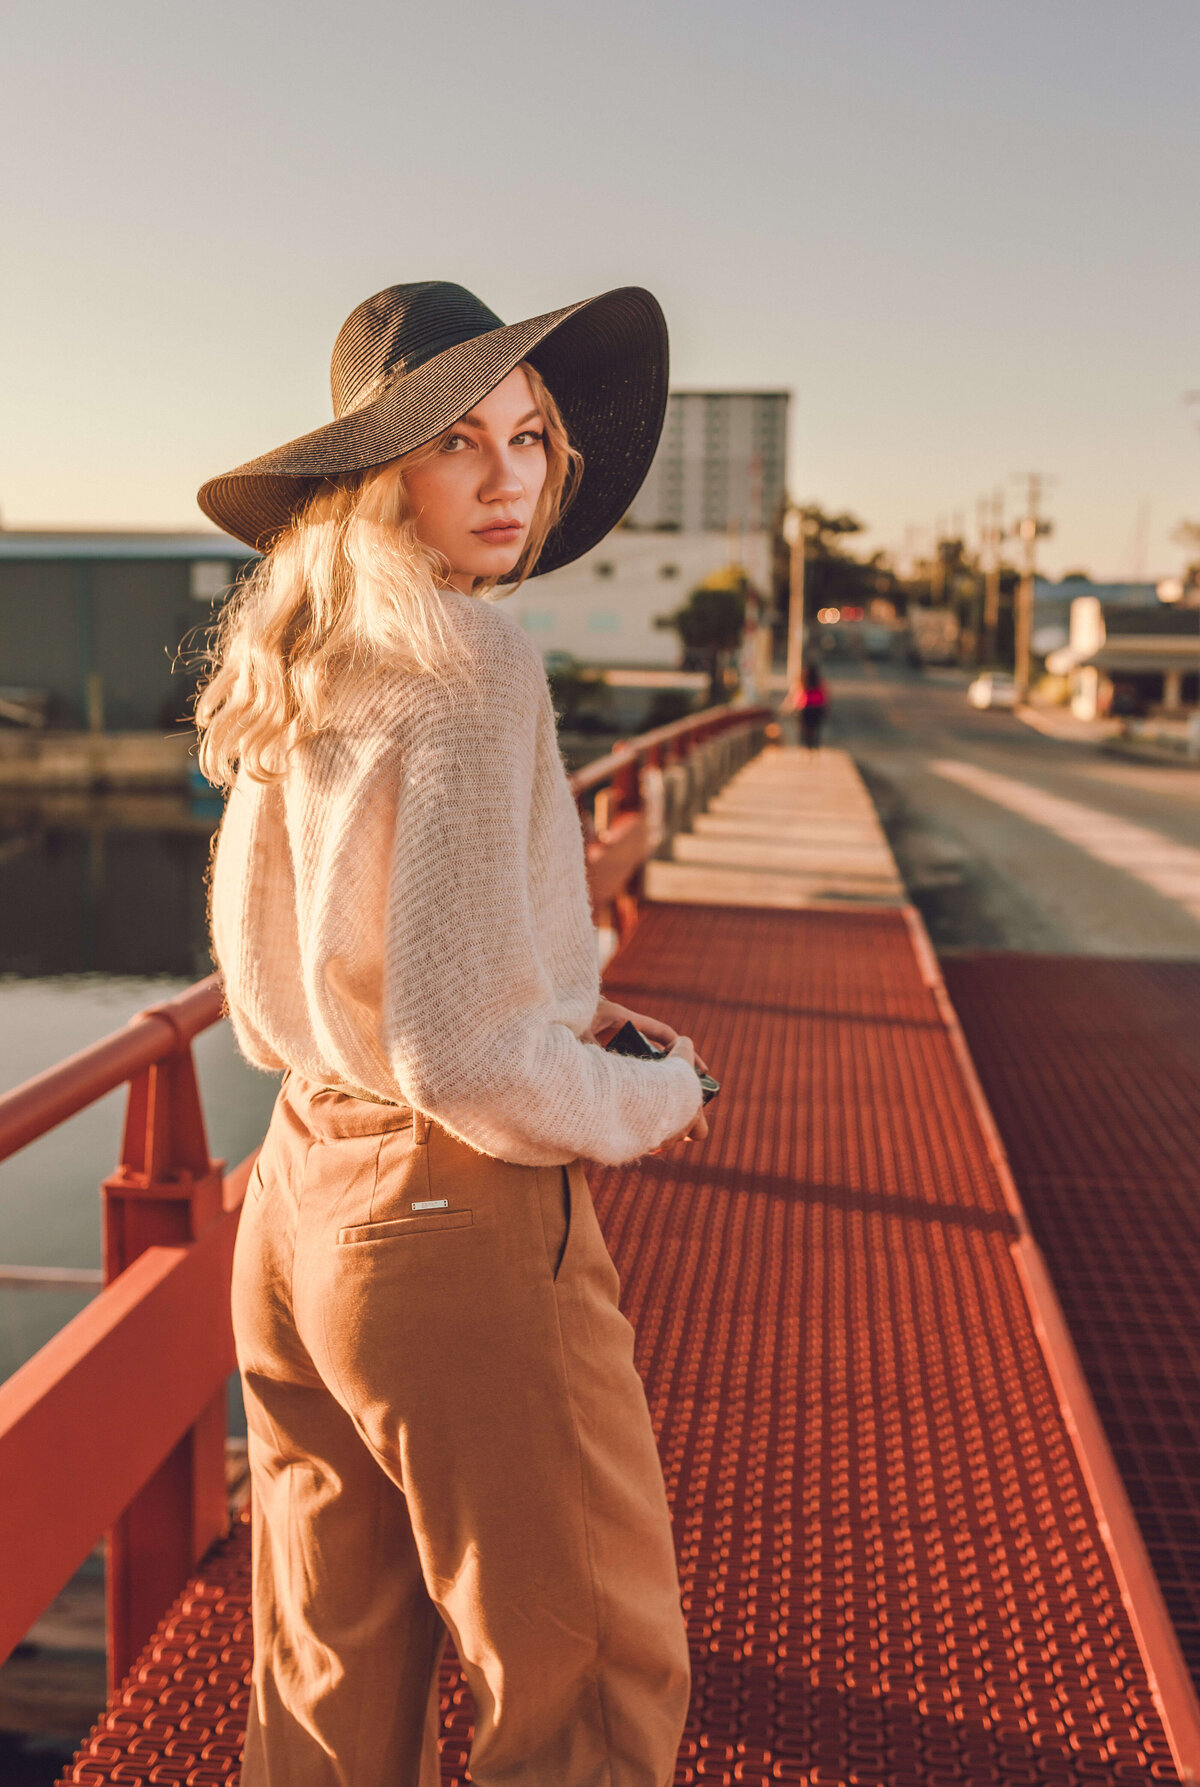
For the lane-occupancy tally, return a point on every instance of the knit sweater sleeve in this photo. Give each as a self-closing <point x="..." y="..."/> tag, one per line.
<point x="469" y="1019"/>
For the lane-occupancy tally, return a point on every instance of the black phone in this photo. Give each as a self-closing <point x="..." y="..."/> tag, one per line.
<point x="630" y="1041"/>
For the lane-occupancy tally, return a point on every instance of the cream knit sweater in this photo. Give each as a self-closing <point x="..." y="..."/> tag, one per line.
<point x="407" y="913"/>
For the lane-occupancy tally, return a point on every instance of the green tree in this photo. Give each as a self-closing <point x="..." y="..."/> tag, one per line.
<point x="833" y="577"/>
<point x="710" y="626"/>
<point x="578" y="694"/>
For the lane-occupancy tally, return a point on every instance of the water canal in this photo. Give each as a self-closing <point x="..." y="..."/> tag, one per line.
<point x="102" y="912"/>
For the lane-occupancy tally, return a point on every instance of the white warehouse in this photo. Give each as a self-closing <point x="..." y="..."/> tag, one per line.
<point x="602" y="608"/>
<point x="713" y="495"/>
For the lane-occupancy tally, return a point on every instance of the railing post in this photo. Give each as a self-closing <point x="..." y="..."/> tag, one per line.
<point x="165" y="1191"/>
<point x="627" y="785"/>
<point x="654" y="800"/>
<point x="642" y="795"/>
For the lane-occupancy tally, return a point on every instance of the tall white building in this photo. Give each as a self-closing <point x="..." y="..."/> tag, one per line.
<point x="713" y="493"/>
<point x="721" y="463"/>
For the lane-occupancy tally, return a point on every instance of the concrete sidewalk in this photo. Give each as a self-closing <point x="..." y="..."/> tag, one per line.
<point x="1144" y="741"/>
<point x="794" y="829"/>
<point x="1061" y="723"/>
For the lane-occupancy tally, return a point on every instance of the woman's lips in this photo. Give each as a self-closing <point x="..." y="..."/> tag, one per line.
<point x="500" y="531"/>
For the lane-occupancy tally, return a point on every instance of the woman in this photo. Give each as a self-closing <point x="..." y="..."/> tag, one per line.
<point x="446" y="1428"/>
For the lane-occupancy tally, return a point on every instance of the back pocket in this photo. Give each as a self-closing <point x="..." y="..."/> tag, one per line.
<point x="399" y="1226"/>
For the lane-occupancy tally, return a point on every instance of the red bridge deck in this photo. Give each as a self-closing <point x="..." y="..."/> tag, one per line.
<point x="893" y="1568"/>
<point x="1093" y="1070"/>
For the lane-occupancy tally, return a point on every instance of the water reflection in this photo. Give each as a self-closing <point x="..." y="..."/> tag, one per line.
<point x="104" y="884"/>
<point x="102" y="912"/>
<point x="49" y="1192"/>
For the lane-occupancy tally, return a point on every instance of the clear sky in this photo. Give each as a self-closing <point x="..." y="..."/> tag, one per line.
<point x="965" y="233"/>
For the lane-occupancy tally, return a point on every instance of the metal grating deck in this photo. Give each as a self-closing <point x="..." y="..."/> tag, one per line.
<point x="892" y="1572"/>
<point x="1092" y="1067"/>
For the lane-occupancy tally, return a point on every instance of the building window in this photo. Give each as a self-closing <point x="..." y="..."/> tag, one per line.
<point x="603" y="620"/>
<point x="538" y="620"/>
<point x="668" y="570"/>
<point x="605" y="568"/>
<point x="209" y="578"/>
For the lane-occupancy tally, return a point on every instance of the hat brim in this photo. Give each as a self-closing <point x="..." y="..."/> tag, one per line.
<point x="604" y="360"/>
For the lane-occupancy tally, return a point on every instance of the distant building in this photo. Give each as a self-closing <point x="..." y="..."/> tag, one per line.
<point x="1052" y="606"/>
<point x="1130" y="659"/>
<point x="721" y="464"/>
<point x="602" y="609"/>
<point x="91" y="623"/>
<point x="713" y="495"/>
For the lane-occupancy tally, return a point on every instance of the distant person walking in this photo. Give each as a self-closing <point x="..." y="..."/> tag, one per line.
<point x="810" y="701"/>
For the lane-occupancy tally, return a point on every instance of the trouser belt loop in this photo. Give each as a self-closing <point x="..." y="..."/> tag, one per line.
<point x="420" y="1127"/>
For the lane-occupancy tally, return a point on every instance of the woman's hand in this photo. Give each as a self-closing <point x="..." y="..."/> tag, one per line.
<point x="609" y="1018"/>
<point x="697" y="1129"/>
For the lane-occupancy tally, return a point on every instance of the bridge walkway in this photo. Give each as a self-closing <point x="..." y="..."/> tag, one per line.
<point x="902" y="1559"/>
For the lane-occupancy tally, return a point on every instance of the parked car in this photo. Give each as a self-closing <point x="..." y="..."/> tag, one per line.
<point x="993" y="688"/>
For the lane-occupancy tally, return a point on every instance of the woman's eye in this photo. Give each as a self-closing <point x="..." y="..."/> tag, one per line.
<point x="448" y="445"/>
<point x="530" y="434"/>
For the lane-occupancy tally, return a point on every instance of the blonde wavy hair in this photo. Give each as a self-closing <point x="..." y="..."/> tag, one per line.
<point x="347" y="588"/>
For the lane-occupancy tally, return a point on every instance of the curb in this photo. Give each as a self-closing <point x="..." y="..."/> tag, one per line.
<point x="1154" y="1631"/>
<point x="1138" y="750"/>
<point x="1039" y="722"/>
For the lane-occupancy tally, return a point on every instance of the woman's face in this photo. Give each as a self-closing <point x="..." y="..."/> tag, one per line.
<point x="474" y="498"/>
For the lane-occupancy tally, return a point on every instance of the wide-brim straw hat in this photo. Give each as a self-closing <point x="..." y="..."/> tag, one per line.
<point x="415" y="358"/>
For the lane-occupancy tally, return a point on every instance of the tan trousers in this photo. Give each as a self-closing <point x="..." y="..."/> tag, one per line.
<point x="446" y="1432"/>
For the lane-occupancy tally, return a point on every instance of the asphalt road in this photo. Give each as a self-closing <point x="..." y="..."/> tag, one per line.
<point x="1011" y="840"/>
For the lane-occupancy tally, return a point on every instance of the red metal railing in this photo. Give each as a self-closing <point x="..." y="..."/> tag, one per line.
<point x="117" y="1425"/>
<point x="624" y="834"/>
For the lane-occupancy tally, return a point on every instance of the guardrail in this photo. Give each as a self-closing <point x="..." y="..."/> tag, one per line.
<point x="117" y="1425"/>
<point x="646" y="791"/>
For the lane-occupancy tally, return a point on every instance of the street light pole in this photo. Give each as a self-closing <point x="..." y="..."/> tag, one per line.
<point x="797" y="540"/>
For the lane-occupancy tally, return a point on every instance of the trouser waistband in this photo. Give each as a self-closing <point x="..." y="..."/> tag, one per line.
<point x="371" y="1097"/>
<point x="420" y="1122"/>
<point x="332" y="1111"/>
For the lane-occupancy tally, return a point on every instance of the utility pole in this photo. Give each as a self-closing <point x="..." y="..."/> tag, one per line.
<point x="992" y="535"/>
<point x="797" y="539"/>
<point x="954" y="565"/>
<point x="937" y="570"/>
<point x="760" y="607"/>
<point x="747" y="656"/>
<point x="1029" y="530"/>
<point x="982" y="529"/>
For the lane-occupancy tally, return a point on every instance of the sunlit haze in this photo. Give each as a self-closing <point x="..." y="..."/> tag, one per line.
<point x="965" y="236"/>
